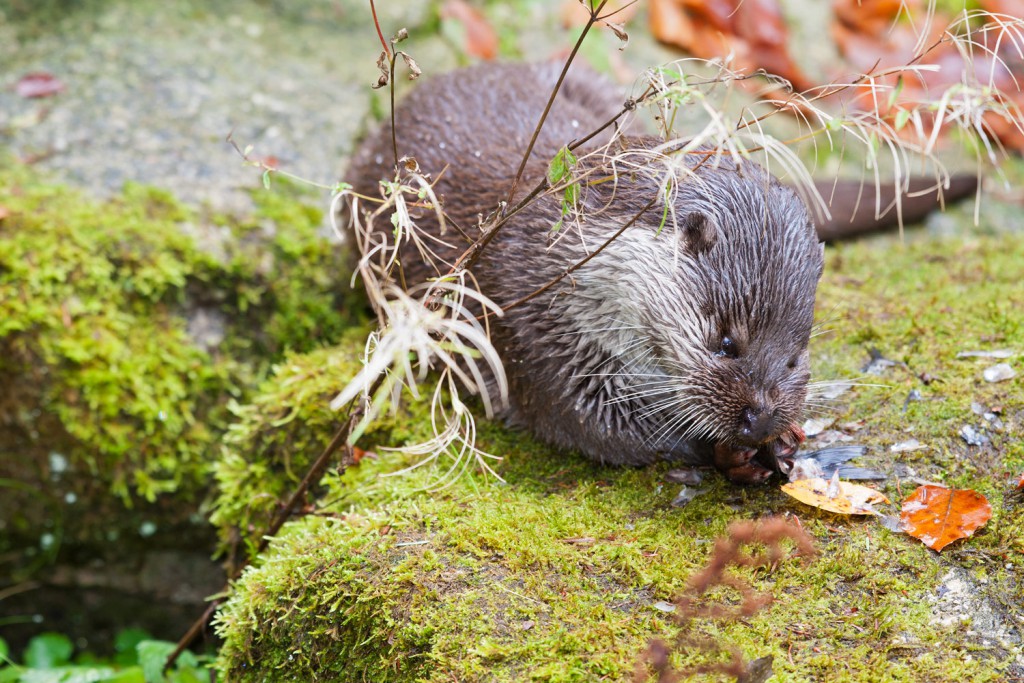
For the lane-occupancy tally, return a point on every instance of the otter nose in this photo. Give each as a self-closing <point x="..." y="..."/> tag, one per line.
<point x="755" y="424"/>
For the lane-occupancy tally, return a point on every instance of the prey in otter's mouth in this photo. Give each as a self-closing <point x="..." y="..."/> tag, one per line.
<point x="685" y="338"/>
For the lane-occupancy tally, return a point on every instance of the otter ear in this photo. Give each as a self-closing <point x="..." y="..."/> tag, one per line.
<point x="699" y="233"/>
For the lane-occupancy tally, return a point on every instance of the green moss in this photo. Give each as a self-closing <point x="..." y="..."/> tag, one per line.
<point x="554" y="575"/>
<point x="276" y="436"/>
<point x="95" y="303"/>
<point x="926" y="303"/>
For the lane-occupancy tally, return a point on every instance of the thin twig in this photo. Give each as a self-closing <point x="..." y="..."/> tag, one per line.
<point x="391" y="86"/>
<point x="551" y="100"/>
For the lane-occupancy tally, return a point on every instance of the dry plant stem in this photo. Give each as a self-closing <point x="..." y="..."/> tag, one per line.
<point x="391" y="88"/>
<point x="192" y="633"/>
<point x="264" y="166"/>
<point x="313" y="475"/>
<point x="470" y="256"/>
<point x="392" y="56"/>
<point x="23" y="587"/>
<point x="833" y="89"/>
<point x="376" y="25"/>
<point x="551" y="100"/>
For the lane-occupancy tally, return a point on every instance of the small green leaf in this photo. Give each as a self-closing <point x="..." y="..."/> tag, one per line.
<point x="132" y="674"/>
<point x="78" y="674"/>
<point x="48" y="650"/>
<point x="266" y="179"/>
<point x="572" y="193"/>
<point x="152" y="656"/>
<point x="902" y="116"/>
<point x="561" y="166"/>
<point x="125" y="643"/>
<point x="894" y="95"/>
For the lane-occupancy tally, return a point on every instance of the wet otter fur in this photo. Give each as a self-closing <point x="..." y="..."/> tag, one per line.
<point x="686" y="338"/>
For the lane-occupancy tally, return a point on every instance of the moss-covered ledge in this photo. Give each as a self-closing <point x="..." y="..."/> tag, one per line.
<point x="127" y="328"/>
<point x="557" y="574"/>
<point x="127" y="325"/>
<point x="556" y="577"/>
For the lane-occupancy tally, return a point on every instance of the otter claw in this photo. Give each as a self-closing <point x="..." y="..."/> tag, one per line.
<point x="738" y="464"/>
<point x="727" y="457"/>
<point x="748" y="474"/>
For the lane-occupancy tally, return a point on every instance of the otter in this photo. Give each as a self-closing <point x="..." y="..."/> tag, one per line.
<point x="685" y="339"/>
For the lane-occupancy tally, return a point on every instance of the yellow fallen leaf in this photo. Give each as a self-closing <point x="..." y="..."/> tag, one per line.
<point x="841" y="497"/>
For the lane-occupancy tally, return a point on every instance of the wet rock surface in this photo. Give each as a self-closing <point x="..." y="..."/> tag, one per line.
<point x="151" y="90"/>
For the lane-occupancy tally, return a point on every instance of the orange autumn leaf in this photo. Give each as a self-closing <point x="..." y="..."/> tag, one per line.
<point x="879" y="34"/>
<point x="876" y="34"/>
<point x="481" y="38"/>
<point x="754" y="32"/>
<point x="937" y="516"/>
<point x="841" y="497"/>
<point x="1011" y="8"/>
<point x="670" y="24"/>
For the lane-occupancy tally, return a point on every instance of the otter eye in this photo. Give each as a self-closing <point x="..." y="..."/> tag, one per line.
<point x="728" y="349"/>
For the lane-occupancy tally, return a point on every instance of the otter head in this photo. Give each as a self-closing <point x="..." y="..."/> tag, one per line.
<point x="713" y="311"/>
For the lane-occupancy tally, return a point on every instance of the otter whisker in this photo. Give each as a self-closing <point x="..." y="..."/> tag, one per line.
<point x="687" y="414"/>
<point x="639" y="396"/>
<point x="579" y="332"/>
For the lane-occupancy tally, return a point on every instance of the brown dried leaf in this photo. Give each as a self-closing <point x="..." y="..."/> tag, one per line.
<point x="358" y="454"/>
<point x="481" y="38"/>
<point x="937" y="516"/>
<point x="620" y="32"/>
<point x="670" y="24"/>
<point x="384" y="65"/>
<point x="38" y="84"/>
<point x="841" y="497"/>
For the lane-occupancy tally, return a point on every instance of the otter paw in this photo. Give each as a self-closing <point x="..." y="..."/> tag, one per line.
<point x="738" y="464"/>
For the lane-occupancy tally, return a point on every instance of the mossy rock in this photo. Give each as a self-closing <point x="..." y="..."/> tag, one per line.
<point x="274" y="439"/>
<point x="126" y="329"/>
<point x="561" y="572"/>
